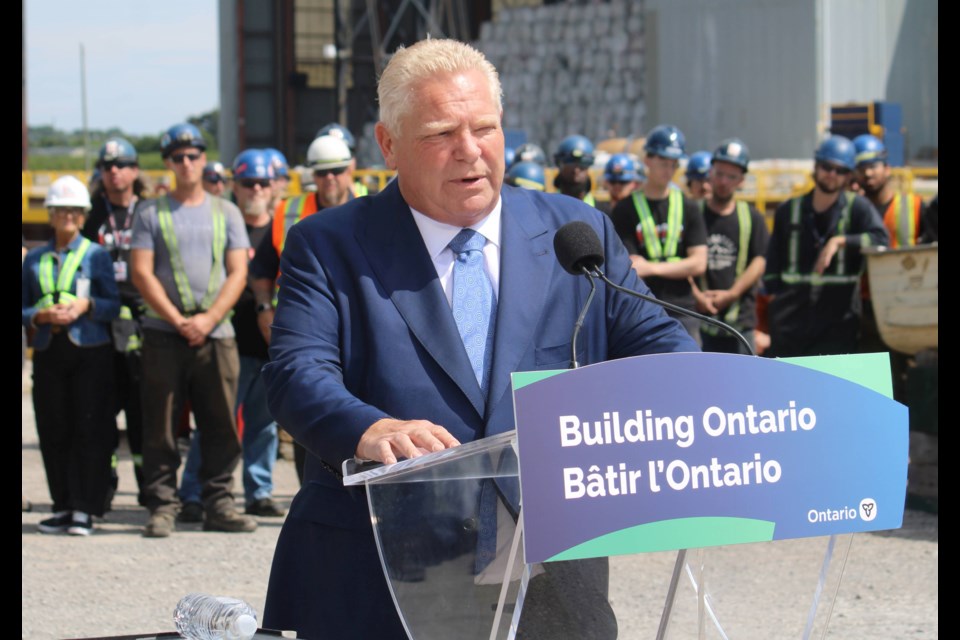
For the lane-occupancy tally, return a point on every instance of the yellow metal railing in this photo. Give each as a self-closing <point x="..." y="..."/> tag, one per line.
<point x="765" y="187"/>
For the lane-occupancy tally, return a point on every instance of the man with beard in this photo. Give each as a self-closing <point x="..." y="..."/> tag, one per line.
<point x="902" y="212"/>
<point x="814" y="261"/>
<point x="736" y="243"/>
<point x="253" y="175"/>
<point x="110" y="224"/>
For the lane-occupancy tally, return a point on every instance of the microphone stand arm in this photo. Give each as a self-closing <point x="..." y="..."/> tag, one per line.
<point x="583" y="314"/>
<point x="597" y="273"/>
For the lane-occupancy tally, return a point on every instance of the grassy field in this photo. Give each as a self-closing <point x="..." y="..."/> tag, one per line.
<point x="148" y="161"/>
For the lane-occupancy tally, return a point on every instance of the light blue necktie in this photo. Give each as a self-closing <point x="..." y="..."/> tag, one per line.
<point x="473" y="303"/>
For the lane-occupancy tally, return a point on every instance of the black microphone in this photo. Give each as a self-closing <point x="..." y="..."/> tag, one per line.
<point x="577" y="246"/>
<point x="580" y="252"/>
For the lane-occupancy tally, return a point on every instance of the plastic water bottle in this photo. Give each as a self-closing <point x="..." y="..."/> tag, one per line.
<point x="200" y="616"/>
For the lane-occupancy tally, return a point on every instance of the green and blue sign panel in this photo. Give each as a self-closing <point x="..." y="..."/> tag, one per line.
<point x="693" y="450"/>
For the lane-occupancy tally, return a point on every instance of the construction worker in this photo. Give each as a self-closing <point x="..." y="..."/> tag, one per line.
<point x="662" y="229"/>
<point x="573" y="158"/>
<point x="281" y="173"/>
<point x="736" y="247"/>
<point x="530" y="152"/>
<point x="189" y="261"/>
<point x="528" y="175"/>
<point x="337" y="130"/>
<point x="215" y="179"/>
<point x="814" y="261"/>
<point x="253" y="184"/>
<point x="698" y="175"/>
<point x="903" y="215"/>
<point x="110" y="224"/>
<point x="68" y="300"/>
<point x="330" y="160"/>
<point x="620" y="179"/>
<point x="902" y="212"/>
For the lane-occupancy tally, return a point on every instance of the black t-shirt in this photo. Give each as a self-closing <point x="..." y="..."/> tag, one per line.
<point x="266" y="262"/>
<point x="626" y="221"/>
<point x="723" y="247"/>
<point x="250" y="341"/>
<point x="112" y="227"/>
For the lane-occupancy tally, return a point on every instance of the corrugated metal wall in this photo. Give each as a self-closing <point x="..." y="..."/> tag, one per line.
<point x="767" y="70"/>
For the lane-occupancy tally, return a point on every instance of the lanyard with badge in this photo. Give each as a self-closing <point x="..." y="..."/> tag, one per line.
<point x="117" y="240"/>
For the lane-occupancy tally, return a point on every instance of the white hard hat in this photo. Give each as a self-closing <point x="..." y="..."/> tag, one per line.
<point x="328" y="152"/>
<point x="67" y="192"/>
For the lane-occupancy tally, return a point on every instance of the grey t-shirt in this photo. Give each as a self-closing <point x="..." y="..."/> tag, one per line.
<point x="193" y="227"/>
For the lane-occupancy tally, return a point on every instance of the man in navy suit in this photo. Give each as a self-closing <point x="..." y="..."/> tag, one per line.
<point x="366" y="357"/>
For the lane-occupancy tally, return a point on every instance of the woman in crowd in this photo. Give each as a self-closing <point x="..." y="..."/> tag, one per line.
<point x="69" y="297"/>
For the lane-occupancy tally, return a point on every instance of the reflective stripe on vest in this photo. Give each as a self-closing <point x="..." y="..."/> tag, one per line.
<point x="360" y="189"/>
<point x="743" y="251"/>
<point x="165" y="218"/>
<point x="667" y="250"/>
<point x="901" y="220"/>
<point x="57" y="290"/>
<point x="292" y="212"/>
<point x="792" y="273"/>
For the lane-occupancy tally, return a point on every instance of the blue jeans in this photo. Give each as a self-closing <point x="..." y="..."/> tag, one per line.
<point x="260" y="441"/>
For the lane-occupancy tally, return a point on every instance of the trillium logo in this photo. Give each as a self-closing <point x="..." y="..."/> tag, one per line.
<point x="868" y="509"/>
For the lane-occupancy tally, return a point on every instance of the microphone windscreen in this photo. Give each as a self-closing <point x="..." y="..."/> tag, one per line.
<point x="577" y="245"/>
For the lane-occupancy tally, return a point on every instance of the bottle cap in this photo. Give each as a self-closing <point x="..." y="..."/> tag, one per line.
<point x="245" y="627"/>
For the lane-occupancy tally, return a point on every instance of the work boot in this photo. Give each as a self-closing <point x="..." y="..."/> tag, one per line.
<point x="230" y="520"/>
<point x="160" y="525"/>
<point x="265" y="507"/>
<point x="191" y="512"/>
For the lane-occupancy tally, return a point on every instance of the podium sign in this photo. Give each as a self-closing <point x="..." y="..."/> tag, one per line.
<point x="678" y="451"/>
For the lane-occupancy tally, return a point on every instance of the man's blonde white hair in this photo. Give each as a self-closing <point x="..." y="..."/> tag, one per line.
<point x="397" y="88"/>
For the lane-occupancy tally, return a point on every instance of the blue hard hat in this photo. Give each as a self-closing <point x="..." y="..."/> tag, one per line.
<point x="698" y="166"/>
<point x="281" y="169"/>
<point x="117" y="150"/>
<point x="530" y="152"/>
<point x="337" y="130"/>
<point x="509" y="156"/>
<point x="574" y="150"/>
<point x="666" y="141"/>
<point x="621" y="168"/>
<point x="733" y="150"/>
<point x="837" y="150"/>
<point x="253" y="163"/>
<point x="869" y="149"/>
<point x="179" y="136"/>
<point x="528" y="175"/>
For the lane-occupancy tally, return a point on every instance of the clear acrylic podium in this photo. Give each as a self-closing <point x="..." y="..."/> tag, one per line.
<point x="449" y="530"/>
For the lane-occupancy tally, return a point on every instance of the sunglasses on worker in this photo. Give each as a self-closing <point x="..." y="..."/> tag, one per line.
<point x="323" y="173"/>
<point x="107" y="165"/>
<point x="178" y="158"/>
<point x="250" y="183"/>
<point x="832" y="168"/>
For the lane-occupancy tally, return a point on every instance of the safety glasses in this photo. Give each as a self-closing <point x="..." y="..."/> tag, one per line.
<point x="179" y="158"/>
<point x="323" y="173"/>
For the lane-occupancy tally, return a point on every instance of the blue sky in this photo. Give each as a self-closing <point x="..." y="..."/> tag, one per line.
<point x="149" y="65"/>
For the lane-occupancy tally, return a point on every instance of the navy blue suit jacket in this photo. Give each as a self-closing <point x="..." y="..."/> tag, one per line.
<point x="363" y="331"/>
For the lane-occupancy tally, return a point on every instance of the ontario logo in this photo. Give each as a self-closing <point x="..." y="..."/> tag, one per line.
<point x="866" y="511"/>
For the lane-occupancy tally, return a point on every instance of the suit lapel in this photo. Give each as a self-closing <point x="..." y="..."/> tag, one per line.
<point x="396" y="253"/>
<point x="526" y="262"/>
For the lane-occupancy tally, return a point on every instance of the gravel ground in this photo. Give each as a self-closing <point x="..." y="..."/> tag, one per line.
<point x="117" y="582"/>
